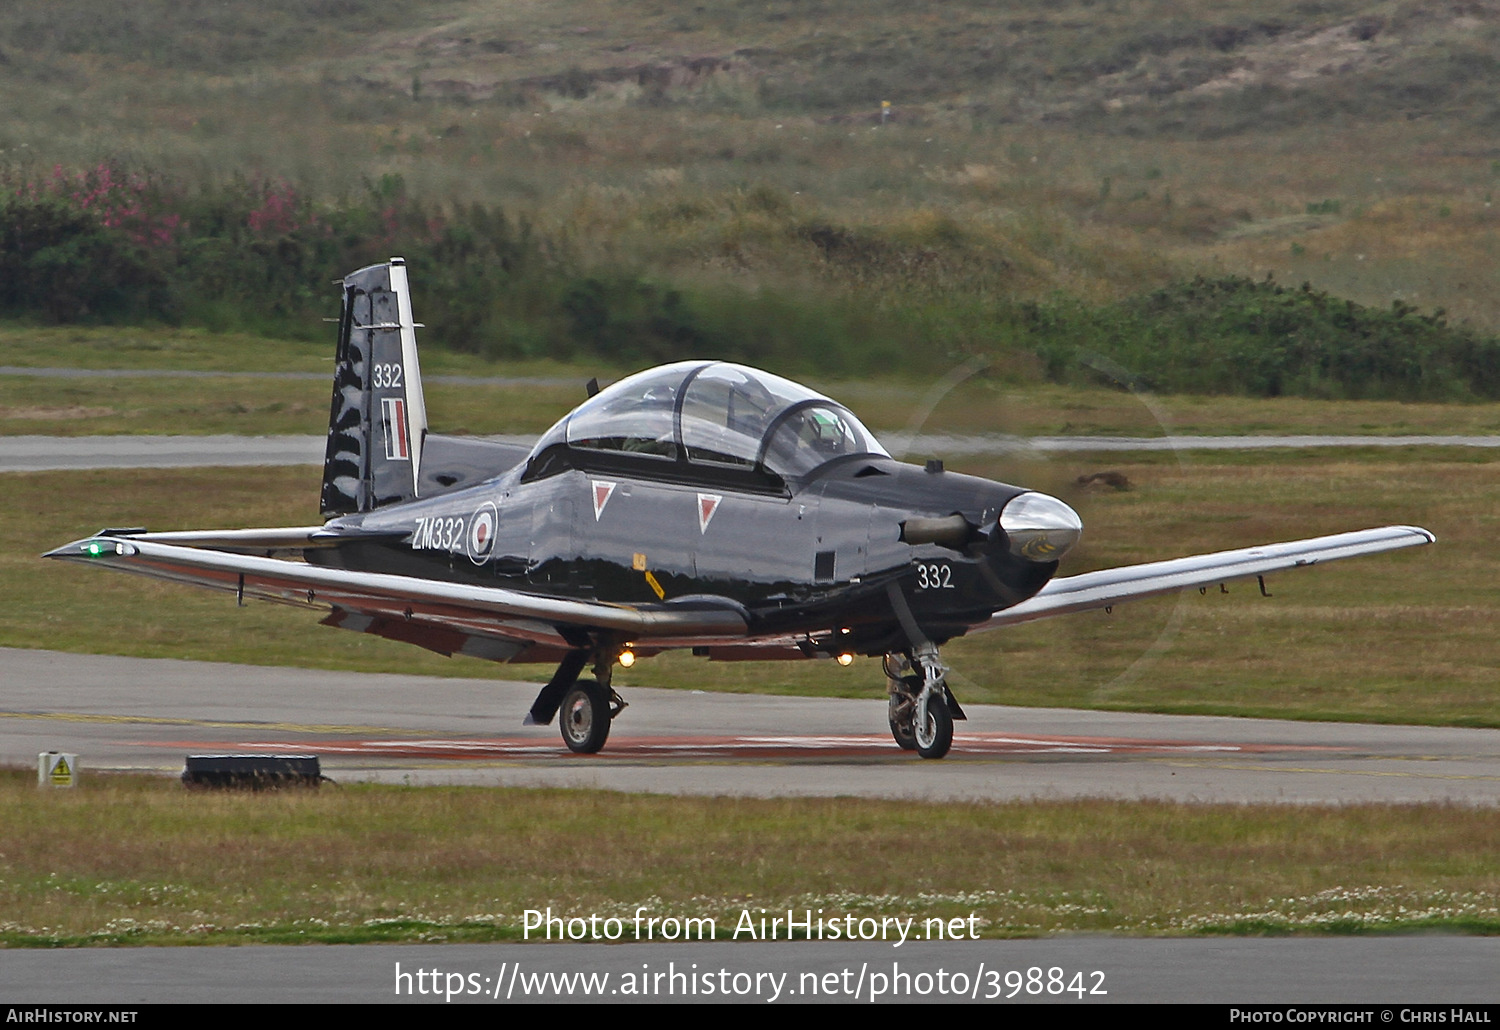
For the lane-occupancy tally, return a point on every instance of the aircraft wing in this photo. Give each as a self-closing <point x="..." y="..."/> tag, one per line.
<point x="442" y="615"/>
<point x="1131" y="582"/>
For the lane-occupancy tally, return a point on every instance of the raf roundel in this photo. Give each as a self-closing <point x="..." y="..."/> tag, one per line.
<point x="482" y="533"/>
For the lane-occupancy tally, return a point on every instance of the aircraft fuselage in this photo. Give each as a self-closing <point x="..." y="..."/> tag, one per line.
<point x="806" y="557"/>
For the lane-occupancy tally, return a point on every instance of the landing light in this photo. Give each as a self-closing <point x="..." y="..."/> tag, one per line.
<point x="845" y="659"/>
<point x="100" y="548"/>
<point x="627" y="658"/>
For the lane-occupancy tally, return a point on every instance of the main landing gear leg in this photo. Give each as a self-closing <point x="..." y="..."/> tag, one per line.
<point x="588" y="706"/>
<point x="604" y="671"/>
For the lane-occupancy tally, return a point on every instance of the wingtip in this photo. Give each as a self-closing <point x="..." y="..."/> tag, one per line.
<point x="92" y="548"/>
<point x="1428" y="537"/>
<point x="71" y="550"/>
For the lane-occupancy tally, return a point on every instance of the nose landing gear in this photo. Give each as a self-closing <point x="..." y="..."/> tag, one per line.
<point x="920" y="708"/>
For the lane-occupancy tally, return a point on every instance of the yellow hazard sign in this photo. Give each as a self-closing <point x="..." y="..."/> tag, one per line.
<point x="57" y="770"/>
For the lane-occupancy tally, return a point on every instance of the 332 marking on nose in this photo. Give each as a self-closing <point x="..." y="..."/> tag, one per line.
<point x="936" y="575"/>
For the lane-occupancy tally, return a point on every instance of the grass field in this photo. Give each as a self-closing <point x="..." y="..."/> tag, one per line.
<point x="168" y="405"/>
<point x="135" y="860"/>
<point x="966" y="399"/>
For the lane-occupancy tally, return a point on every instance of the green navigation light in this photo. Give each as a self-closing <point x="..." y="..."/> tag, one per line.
<point x="104" y="548"/>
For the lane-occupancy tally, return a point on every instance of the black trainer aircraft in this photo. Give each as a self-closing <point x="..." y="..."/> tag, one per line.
<point x="700" y="505"/>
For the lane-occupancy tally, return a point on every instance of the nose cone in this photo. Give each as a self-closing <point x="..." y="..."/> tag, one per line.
<point x="1040" y="528"/>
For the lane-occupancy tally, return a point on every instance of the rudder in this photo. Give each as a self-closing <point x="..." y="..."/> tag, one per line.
<point x="377" y="423"/>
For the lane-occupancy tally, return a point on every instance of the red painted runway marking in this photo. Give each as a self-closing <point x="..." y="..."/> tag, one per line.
<point x="753" y="747"/>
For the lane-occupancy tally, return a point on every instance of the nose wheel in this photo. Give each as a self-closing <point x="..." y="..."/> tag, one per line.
<point x="919" y="713"/>
<point x="932" y="727"/>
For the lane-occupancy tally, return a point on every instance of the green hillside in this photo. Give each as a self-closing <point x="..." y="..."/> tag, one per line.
<point x="660" y="177"/>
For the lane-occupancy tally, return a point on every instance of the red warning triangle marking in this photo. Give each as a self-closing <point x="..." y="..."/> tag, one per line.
<point x="707" y="505"/>
<point x="602" y="492"/>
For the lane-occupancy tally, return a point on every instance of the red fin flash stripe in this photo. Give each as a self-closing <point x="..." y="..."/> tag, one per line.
<point x="395" y="429"/>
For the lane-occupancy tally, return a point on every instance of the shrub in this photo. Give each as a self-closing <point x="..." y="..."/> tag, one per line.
<point x="1236" y="335"/>
<point x="112" y="245"/>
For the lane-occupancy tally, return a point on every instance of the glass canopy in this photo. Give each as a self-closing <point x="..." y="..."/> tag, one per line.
<point x="716" y="414"/>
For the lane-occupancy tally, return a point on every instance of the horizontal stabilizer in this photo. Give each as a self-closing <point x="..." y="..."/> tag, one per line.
<point x="455" y="462"/>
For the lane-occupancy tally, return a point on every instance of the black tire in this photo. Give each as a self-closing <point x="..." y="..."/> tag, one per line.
<point x="585" y="717"/>
<point x="902" y="711"/>
<point x="934" y="739"/>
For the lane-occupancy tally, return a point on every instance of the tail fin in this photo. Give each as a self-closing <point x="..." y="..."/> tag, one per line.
<point x="378" y="423"/>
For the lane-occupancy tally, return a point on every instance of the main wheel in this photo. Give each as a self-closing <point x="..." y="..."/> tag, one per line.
<point x="933" y="735"/>
<point x="903" y="710"/>
<point x="585" y="717"/>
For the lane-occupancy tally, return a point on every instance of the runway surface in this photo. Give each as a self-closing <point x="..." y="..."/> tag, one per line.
<point x="56" y="453"/>
<point x="148" y="714"/>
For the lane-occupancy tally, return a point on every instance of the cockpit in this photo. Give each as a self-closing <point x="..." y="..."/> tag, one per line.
<point x="708" y="416"/>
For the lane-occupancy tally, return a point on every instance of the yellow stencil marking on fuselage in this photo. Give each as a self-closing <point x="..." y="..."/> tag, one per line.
<point x="655" y="586"/>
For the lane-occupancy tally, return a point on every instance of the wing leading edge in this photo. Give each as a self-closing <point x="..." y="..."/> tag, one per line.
<point x="1107" y="587"/>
